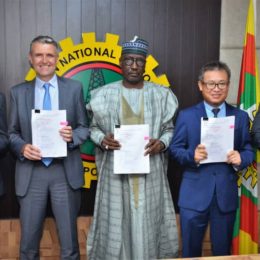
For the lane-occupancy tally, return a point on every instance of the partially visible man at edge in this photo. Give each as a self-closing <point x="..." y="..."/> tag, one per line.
<point x="134" y="216"/>
<point x="3" y="137"/>
<point x="36" y="178"/>
<point x="209" y="192"/>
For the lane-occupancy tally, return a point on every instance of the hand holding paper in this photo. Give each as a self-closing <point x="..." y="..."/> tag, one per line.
<point x="130" y="158"/>
<point x="109" y="143"/>
<point x="217" y="134"/>
<point x="200" y="153"/>
<point x="66" y="133"/>
<point x="31" y="152"/>
<point x="153" y="147"/>
<point x="234" y="158"/>
<point x="46" y="125"/>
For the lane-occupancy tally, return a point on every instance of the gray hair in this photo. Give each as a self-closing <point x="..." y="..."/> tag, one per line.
<point x="46" y="40"/>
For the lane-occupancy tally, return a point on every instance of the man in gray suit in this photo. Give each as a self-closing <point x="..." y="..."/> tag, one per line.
<point x="36" y="178"/>
<point x="3" y="136"/>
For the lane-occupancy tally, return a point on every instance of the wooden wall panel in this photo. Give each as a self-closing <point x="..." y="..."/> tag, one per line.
<point x="182" y="35"/>
<point x="214" y="18"/>
<point x="132" y="19"/>
<point x="27" y="21"/>
<point x="160" y="33"/>
<point x="73" y="21"/>
<point x="43" y="16"/>
<point x="187" y="50"/>
<point x="174" y="62"/>
<point x="147" y="11"/>
<point x="118" y="12"/>
<point x="3" y="46"/>
<point x="103" y="19"/>
<point x="190" y="36"/>
<point x="174" y="40"/>
<point x="88" y="15"/>
<point x="13" y="72"/>
<point x="59" y="19"/>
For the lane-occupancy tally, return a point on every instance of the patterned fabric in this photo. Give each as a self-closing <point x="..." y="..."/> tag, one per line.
<point x="135" y="46"/>
<point x="113" y="228"/>
<point x="215" y="111"/>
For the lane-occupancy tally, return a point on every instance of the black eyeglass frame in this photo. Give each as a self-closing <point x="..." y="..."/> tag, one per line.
<point x="129" y="61"/>
<point x="212" y="85"/>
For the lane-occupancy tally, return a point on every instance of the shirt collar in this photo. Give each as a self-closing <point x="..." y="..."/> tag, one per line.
<point x="53" y="82"/>
<point x="221" y="113"/>
<point x="209" y="107"/>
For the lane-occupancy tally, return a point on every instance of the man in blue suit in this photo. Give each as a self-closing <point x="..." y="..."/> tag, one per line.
<point x="209" y="192"/>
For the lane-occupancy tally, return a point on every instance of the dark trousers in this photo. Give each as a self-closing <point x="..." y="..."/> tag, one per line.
<point x="194" y="225"/>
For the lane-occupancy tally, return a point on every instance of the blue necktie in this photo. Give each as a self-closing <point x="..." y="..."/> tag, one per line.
<point x="215" y="111"/>
<point x="47" y="106"/>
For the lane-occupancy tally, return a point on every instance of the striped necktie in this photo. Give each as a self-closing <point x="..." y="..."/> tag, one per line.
<point x="215" y="111"/>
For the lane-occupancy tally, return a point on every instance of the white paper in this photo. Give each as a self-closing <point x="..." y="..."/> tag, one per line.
<point x="45" y="132"/>
<point x="217" y="134"/>
<point x="130" y="158"/>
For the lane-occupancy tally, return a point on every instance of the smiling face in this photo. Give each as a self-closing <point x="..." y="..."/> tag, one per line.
<point x="217" y="95"/>
<point x="133" y="67"/>
<point x="43" y="58"/>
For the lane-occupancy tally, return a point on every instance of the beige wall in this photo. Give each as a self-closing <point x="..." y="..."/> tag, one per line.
<point x="233" y="23"/>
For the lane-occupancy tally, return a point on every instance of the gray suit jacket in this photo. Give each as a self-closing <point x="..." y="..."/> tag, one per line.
<point x="21" y="104"/>
<point x="3" y="136"/>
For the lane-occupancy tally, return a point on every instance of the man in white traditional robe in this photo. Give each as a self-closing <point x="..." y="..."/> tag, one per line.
<point x="134" y="216"/>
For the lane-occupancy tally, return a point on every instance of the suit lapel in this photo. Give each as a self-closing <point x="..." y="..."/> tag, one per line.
<point x="62" y="94"/>
<point x="30" y="98"/>
<point x="201" y="111"/>
<point x="229" y="110"/>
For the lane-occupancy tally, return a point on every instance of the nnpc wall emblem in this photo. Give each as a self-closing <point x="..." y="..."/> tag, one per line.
<point x="95" y="64"/>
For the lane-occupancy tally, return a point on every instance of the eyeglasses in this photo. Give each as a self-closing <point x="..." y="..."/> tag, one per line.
<point x="130" y="61"/>
<point x="212" y="85"/>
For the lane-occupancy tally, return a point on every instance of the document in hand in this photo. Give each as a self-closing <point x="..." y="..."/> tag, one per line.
<point x="130" y="158"/>
<point x="217" y="134"/>
<point x="45" y="132"/>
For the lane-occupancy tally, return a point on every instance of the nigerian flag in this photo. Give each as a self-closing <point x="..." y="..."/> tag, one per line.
<point x="245" y="234"/>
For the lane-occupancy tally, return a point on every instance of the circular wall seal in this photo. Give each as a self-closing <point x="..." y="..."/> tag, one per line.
<point x="95" y="64"/>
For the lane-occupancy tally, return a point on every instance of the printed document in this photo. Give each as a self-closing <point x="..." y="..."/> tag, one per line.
<point x="130" y="158"/>
<point x="217" y="134"/>
<point x="45" y="132"/>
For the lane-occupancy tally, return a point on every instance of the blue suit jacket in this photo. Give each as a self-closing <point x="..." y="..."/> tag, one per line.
<point x="199" y="181"/>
